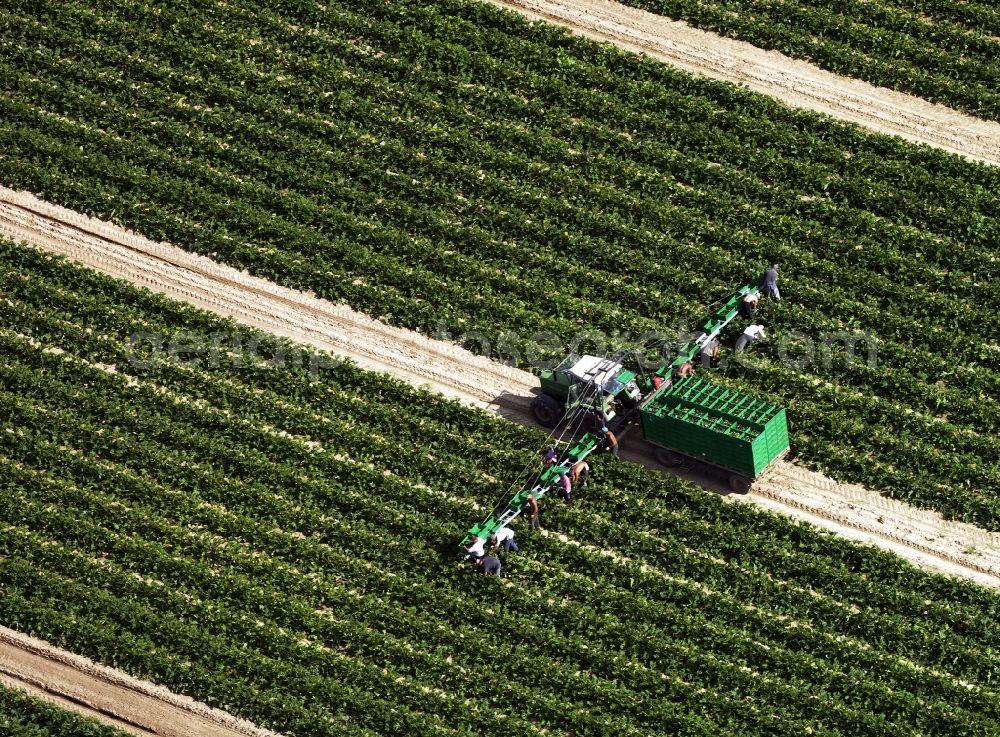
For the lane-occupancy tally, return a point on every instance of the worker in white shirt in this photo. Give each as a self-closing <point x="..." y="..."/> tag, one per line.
<point x="478" y="547"/>
<point x="751" y="334"/>
<point x="504" y="536"/>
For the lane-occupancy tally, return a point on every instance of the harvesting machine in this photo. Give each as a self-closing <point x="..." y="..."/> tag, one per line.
<point x="686" y="418"/>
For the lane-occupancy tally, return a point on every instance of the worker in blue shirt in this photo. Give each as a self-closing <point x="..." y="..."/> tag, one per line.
<point x="770" y="285"/>
<point x="551" y="456"/>
<point x="489" y="565"/>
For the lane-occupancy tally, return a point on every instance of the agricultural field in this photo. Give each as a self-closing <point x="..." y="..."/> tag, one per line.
<point x="449" y="167"/>
<point x="947" y="51"/>
<point x="24" y="716"/>
<point x="278" y="544"/>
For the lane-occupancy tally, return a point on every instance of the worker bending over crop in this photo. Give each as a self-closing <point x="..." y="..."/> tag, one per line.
<point x="504" y="536"/>
<point x="710" y="353"/>
<point x="685" y="369"/>
<point x="530" y="508"/>
<point x="551" y="456"/>
<point x="489" y="564"/>
<point x="477" y="548"/>
<point x="749" y="303"/>
<point x="578" y="471"/>
<point x="752" y="333"/>
<point x="608" y="441"/>
<point x="565" y="487"/>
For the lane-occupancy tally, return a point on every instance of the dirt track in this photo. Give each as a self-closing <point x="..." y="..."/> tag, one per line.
<point x="114" y="698"/>
<point x="796" y="83"/>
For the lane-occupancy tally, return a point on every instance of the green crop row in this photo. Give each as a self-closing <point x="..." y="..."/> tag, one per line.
<point x="947" y="51"/>
<point x="24" y="716"/>
<point x="448" y="165"/>
<point x="280" y="545"/>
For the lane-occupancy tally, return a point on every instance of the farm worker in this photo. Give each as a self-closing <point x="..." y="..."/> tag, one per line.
<point x="488" y="564"/>
<point x="504" y="536"/>
<point x="578" y="470"/>
<point x="608" y="441"/>
<point x="749" y="303"/>
<point x="477" y="548"/>
<point x="530" y="507"/>
<point x="685" y="369"/>
<point x="565" y="487"/>
<point x="751" y="334"/>
<point x="770" y="285"/>
<point x="551" y="456"/>
<point x="709" y="353"/>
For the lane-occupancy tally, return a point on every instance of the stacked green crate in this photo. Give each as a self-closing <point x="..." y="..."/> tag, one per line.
<point x="717" y="424"/>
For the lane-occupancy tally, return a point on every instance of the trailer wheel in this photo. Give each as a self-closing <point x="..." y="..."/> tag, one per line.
<point x="669" y="458"/>
<point x="740" y="484"/>
<point x="546" y="410"/>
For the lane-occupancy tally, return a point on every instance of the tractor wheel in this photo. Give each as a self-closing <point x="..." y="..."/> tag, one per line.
<point x="740" y="484"/>
<point x="547" y="411"/>
<point x="669" y="458"/>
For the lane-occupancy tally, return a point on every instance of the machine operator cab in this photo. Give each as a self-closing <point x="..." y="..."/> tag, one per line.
<point x="600" y="386"/>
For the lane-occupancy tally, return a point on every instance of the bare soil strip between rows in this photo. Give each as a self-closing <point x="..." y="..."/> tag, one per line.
<point x="920" y="536"/>
<point x="796" y="83"/>
<point x="117" y="699"/>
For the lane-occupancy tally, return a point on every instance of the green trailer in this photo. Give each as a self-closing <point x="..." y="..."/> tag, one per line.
<point x="715" y="425"/>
